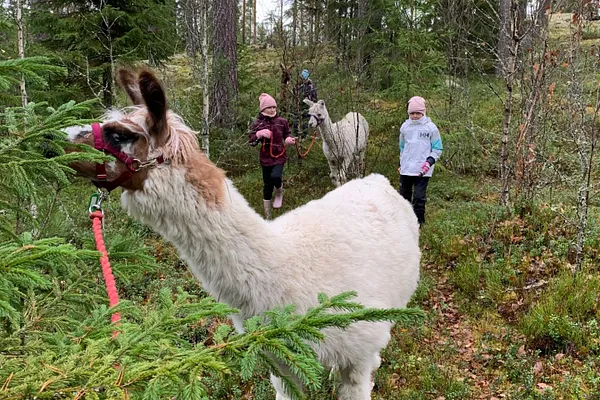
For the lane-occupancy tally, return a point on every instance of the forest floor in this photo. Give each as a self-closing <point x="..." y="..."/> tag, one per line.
<point x="491" y="281"/>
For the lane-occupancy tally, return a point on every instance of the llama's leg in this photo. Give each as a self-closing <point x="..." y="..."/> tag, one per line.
<point x="358" y="380"/>
<point x="361" y="164"/>
<point x="333" y="172"/>
<point x="343" y="173"/>
<point x="278" y="385"/>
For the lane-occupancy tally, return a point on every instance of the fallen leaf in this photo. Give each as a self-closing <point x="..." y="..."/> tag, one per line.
<point x="544" y="386"/>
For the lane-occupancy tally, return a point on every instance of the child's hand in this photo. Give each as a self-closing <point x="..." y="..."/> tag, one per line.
<point x="425" y="168"/>
<point x="263" y="133"/>
<point x="290" y="141"/>
<point x="399" y="169"/>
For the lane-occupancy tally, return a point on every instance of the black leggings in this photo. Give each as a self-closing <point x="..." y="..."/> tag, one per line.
<point x="271" y="179"/>
<point x="419" y="197"/>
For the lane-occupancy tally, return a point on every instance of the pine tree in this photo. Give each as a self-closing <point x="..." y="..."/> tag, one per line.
<point x="91" y="37"/>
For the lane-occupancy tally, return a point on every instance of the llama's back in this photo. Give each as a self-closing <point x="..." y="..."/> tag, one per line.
<point x="362" y="236"/>
<point x="354" y="124"/>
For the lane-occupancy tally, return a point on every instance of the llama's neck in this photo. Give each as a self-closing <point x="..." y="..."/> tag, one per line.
<point x="228" y="247"/>
<point x="335" y="144"/>
<point x="328" y="131"/>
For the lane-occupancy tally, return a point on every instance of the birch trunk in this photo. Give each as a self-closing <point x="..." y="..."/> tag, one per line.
<point x="21" y="46"/>
<point x="204" y="82"/>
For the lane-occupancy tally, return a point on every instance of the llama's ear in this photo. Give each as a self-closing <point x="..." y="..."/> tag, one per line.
<point x="308" y="102"/>
<point x="281" y="66"/>
<point x="127" y="80"/>
<point x="154" y="97"/>
<point x="321" y="102"/>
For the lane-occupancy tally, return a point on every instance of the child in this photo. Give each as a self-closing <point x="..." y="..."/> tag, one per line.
<point x="271" y="132"/>
<point x="304" y="89"/>
<point x="420" y="147"/>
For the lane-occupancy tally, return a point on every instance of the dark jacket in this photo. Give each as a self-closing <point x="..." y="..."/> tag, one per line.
<point x="272" y="151"/>
<point x="305" y="89"/>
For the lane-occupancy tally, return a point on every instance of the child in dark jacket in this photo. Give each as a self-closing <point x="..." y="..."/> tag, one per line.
<point x="273" y="134"/>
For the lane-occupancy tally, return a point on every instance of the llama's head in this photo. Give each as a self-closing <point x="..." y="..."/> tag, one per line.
<point x="286" y="73"/>
<point x="317" y="111"/>
<point x="140" y="138"/>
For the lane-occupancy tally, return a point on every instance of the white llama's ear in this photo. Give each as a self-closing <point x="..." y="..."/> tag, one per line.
<point x="321" y="102"/>
<point x="156" y="102"/>
<point x="127" y="80"/>
<point x="308" y="102"/>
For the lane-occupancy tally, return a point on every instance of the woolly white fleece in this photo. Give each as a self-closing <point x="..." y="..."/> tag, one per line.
<point x="362" y="236"/>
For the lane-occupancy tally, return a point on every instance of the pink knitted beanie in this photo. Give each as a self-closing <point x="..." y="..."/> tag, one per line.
<point x="416" y="104"/>
<point x="266" y="101"/>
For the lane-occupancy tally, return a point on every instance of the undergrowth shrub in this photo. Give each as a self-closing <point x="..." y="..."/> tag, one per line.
<point x="566" y="316"/>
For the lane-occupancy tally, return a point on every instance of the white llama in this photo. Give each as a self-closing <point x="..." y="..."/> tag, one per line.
<point x="344" y="142"/>
<point x="362" y="236"/>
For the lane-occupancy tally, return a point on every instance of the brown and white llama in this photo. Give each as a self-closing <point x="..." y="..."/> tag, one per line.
<point x="362" y="236"/>
<point x="344" y="142"/>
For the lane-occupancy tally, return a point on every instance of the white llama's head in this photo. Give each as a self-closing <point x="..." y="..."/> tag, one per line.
<point x="317" y="111"/>
<point x="142" y="137"/>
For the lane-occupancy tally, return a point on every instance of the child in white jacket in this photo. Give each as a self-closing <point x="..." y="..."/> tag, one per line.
<point x="420" y="147"/>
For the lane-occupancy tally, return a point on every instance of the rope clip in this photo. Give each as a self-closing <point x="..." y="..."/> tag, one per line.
<point x="96" y="202"/>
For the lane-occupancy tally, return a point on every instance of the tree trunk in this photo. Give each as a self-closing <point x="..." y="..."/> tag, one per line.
<point x="254" y="22"/>
<point x="361" y="49"/>
<point x="410" y="46"/>
<point x="584" y="143"/>
<point x="107" y="85"/>
<point x="302" y="23"/>
<point x="21" y="46"/>
<point x="225" y="80"/>
<point x="195" y="15"/>
<point x="243" y="21"/>
<point x="508" y="69"/>
<point x="312" y="24"/>
<point x="294" y="23"/>
<point x="504" y="32"/>
<point x="204" y="81"/>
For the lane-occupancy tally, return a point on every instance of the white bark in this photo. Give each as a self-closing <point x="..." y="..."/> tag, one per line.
<point x="205" y="82"/>
<point x="21" y="46"/>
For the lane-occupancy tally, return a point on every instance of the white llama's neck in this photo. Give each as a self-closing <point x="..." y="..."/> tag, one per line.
<point x="229" y="248"/>
<point x="328" y="130"/>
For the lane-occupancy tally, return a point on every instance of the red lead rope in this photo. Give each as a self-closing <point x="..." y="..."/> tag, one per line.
<point x="109" y="279"/>
<point x="285" y="148"/>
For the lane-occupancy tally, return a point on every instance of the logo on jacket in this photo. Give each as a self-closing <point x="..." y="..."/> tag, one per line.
<point x="424" y="134"/>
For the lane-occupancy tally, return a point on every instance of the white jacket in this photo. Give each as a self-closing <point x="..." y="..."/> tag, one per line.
<point x="419" y="140"/>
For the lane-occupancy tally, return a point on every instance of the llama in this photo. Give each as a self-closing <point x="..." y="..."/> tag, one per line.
<point x="286" y="78"/>
<point x="344" y="142"/>
<point x="362" y="236"/>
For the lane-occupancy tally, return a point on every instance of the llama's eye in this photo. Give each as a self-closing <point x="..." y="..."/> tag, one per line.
<point x="121" y="138"/>
<point x="319" y="116"/>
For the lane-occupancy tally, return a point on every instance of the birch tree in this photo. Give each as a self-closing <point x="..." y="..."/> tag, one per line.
<point x="21" y="47"/>
<point x="197" y="34"/>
